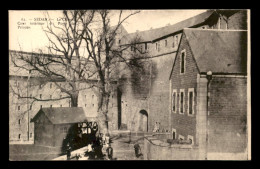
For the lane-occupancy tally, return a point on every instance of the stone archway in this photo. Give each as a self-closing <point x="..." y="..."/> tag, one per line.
<point x="143" y="121"/>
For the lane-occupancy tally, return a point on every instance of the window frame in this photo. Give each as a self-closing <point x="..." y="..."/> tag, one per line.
<point x="174" y="91"/>
<point x="184" y="62"/>
<point x="182" y="91"/>
<point x="193" y="101"/>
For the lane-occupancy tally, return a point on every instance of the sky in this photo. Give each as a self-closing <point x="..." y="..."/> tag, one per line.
<point x="23" y="35"/>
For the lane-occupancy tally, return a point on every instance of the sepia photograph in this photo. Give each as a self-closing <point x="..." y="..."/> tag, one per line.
<point x="129" y="85"/>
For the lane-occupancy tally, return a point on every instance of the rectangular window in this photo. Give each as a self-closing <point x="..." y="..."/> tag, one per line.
<point x="19" y="136"/>
<point x="191" y="101"/>
<point x="40" y="96"/>
<point x="30" y="135"/>
<point x="181" y="104"/>
<point x="145" y="46"/>
<point x="30" y="107"/>
<point x="182" y="60"/>
<point x="158" y="46"/>
<point x="174" y="99"/>
<point x="165" y="43"/>
<point x="19" y="121"/>
<point x="18" y="107"/>
<point x="119" y="41"/>
<point x="50" y="85"/>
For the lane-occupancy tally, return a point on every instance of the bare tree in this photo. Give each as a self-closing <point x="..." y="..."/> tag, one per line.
<point x="66" y="61"/>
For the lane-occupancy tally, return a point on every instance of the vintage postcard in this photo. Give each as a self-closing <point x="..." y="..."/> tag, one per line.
<point x="129" y="85"/>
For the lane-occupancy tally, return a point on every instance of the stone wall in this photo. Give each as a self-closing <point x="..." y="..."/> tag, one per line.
<point x="155" y="149"/>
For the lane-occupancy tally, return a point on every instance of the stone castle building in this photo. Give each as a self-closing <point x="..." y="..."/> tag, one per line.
<point x="141" y="99"/>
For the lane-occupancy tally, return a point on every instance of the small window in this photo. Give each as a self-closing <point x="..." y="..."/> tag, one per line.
<point x="30" y="107"/>
<point x="30" y="71"/>
<point x="85" y="105"/>
<point x="19" y="121"/>
<point x="191" y="101"/>
<point x="181" y="104"/>
<point x="119" y="41"/>
<point x="145" y="46"/>
<point x="50" y="96"/>
<point x="19" y="136"/>
<point x="50" y="85"/>
<point x="19" y="107"/>
<point x="40" y="96"/>
<point x="182" y="61"/>
<point x="30" y="135"/>
<point x="174" y="100"/>
<point x="156" y="47"/>
<point x="93" y="105"/>
<point x="41" y="106"/>
<point x="51" y="105"/>
<point x="165" y="43"/>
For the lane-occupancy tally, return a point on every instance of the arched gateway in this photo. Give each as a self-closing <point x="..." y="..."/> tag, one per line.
<point x="143" y="121"/>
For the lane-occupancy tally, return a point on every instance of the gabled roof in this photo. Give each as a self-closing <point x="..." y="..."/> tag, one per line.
<point x="153" y="34"/>
<point x="219" y="51"/>
<point x="64" y="115"/>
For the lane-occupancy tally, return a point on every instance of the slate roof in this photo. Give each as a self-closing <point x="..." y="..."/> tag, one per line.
<point x="219" y="51"/>
<point x="153" y="34"/>
<point x="64" y="115"/>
